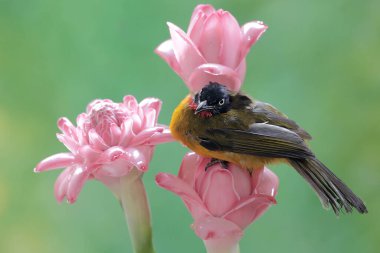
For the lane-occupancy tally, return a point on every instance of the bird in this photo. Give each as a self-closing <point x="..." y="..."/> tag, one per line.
<point x="232" y="127"/>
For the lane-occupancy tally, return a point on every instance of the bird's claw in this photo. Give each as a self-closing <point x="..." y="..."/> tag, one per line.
<point x="214" y="161"/>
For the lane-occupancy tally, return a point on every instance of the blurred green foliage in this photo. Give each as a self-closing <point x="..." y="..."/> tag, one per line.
<point x="318" y="62"/>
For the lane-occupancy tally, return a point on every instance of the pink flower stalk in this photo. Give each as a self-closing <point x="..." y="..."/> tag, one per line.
<point x="113" y="143"/>
<point x="213" y="49"/>
<point x="110" y="139"/>
<point x="222" y="202"/>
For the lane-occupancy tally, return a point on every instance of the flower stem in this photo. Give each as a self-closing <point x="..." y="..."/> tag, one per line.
<point x="134" y="201"/>
<point x="222" y="245"/>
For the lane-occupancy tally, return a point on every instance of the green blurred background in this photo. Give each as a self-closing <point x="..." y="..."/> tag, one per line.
<point x="318" y="62"/>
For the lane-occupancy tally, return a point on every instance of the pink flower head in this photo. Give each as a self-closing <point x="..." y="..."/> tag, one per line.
<point x="110" y="139"/>
<point x="223" y="202"/>
<point x="213" y="49"/>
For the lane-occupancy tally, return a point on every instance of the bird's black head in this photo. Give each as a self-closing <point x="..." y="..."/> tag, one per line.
<point x="213" y="99"/>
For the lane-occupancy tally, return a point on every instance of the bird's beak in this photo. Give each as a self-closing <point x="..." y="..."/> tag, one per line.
<point x="202" y="106"/>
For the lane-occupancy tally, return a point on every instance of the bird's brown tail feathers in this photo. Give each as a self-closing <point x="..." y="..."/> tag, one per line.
<point x="330" y="189"/>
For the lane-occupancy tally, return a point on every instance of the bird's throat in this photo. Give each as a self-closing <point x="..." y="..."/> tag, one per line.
<point x="203" y="114"/>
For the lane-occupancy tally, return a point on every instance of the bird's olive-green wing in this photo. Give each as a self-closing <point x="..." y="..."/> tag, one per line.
<point x="260" y="140"/>
<point x="264" y="112"/>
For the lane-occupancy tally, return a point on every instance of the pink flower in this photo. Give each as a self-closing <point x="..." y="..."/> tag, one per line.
<point x="213" y="50"/>
<point x="223" y="202"/>
<point x="110" y="139"/>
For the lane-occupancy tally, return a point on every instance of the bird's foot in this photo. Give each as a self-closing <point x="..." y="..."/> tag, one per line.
<point x="214" y="161"/>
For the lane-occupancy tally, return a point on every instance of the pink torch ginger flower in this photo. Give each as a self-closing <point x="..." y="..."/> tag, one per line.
<point x="223" y="202"/>
<point x="110" y="139"/>
<point x="213" y="49"/>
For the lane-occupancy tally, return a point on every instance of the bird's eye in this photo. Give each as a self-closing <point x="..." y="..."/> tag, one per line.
<point x="221" y="102"/>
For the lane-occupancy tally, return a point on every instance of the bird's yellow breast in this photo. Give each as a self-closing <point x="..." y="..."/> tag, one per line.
<point x="182" y="127"/>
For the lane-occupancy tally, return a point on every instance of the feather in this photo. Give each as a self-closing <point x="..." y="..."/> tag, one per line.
<point x="330" y="189"/>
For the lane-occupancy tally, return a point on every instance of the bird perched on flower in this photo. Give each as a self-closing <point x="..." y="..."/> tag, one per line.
<point x="216" y="120"/>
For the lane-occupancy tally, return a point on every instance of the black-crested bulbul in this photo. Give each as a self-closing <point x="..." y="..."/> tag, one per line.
<point x="234" y="128"/>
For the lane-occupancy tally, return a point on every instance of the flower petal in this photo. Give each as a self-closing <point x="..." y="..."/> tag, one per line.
<point x="81" y="119"/>
<point x="191" y="199"/>
<point x="240" y="70"/>
<point x="218" y="191"/>
<point x="205" y="9"/>
<point x="186" y="53"/>
<point x="95" y="103"/>
<point x="114" y="162"/>
<point x="137" y="123"/>
<point x="200" y="174"/>
<point x="76" y="183"/>
<point x="88" y="154"/>
<point x="115" y="133"/>
<point x="209" y="228"/>
<point x="249" y="209"/>
<point x="211" y="40"/>
<point x="232" y="37"/>
<point x="96" y="141"/>
<point x="140" y="157"/>
<point x="144" y="136"/>
<point x="56" y="161"/>
<point x="198" y="18"/>
<point x="265" y="182"/>
<point x="151" y="103"/>
<point x="158" y="138"/>
<point x="69" y="143"/>
<point x="206" y="73"/>
<point x="126" y="132"/>
<point x="196" y="26"/>
<point x="165" y="51"/>
<point x="242" y="180"/>
<point x="116" y="169"/>
<point x="111" y="154"/>
<point x="67" y="128"/>
<point x="252" y="31"/>
<point x="189" y="168"/>
<point x="60" y="186"/>
<point x="130" y="103"/>
<point x="150" y="116"/>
